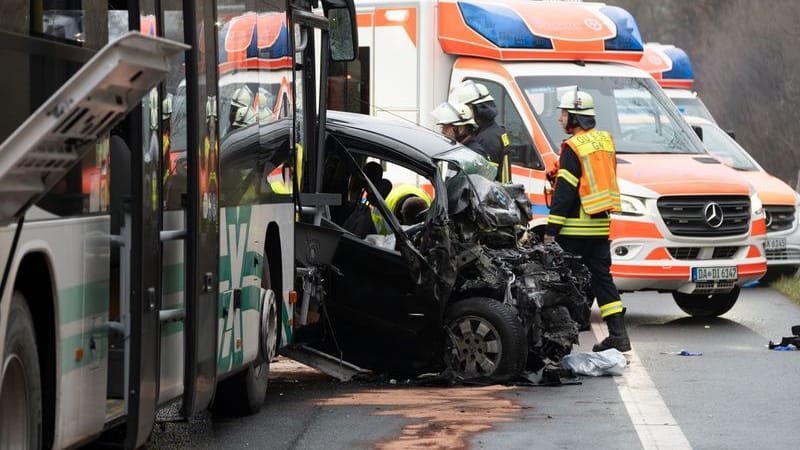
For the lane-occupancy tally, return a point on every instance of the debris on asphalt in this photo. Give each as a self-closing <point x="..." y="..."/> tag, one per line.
<point x="784" y="348"/>
<point x="607" y="362"/>
<point x="793" y="340"/>
<point x="683" y="353"/>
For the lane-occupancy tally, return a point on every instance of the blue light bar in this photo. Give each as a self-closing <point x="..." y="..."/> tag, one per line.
<point x="681" y="65"/>
<point x="628" y="37"/>
<point x="501" y="26"/>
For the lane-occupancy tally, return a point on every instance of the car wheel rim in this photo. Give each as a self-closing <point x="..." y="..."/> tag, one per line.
<point x="14" y="407"/>
<point x="477" y="348"/>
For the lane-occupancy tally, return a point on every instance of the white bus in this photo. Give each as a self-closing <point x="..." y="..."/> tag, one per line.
<point x="158" y="265"/>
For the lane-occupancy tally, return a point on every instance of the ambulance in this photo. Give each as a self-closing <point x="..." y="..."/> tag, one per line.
<point x="689" y="225"/>
<point x="672" y="68"/>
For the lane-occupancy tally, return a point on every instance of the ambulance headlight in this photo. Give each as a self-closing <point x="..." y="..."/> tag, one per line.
<point x="632" y="206"/>
<point x="756" y="205"/>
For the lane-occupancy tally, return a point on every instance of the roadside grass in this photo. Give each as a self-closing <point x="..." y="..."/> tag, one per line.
<point x="788" y="286"/>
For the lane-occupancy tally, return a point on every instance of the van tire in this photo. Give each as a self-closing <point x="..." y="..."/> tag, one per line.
<point x="483" y="329"/>
<point x="706" y="305"/>
<point x="21" y="390"/>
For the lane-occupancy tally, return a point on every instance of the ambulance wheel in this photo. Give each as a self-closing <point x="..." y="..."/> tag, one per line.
<point x="21" y="391"/>
<point x="706" y="305"/>
<point x="486" y="340"/>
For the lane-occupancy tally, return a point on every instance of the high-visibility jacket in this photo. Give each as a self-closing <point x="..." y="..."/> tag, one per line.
<point x="598" y="183"/>
<point x="586" y="188"/>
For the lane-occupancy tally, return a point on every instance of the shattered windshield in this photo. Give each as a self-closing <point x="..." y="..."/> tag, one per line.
<point x="634" y="110"/>
<point x="469" y="162"/>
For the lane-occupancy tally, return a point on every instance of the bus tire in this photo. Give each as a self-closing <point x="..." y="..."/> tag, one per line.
<point x="706" y="305"/>
<point x="21" y="390"/>
<point x="244" y="393"/>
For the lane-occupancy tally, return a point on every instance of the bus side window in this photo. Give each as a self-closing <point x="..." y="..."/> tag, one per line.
<point x="523" y="151"/>
<point x="85" y="189"/>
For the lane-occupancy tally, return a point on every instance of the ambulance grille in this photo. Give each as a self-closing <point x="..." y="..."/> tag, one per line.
<point x="688" y="253"/>
<point x="783" y="254"/>
<point x="779" y="217"/>
<point x="686" y="216"/>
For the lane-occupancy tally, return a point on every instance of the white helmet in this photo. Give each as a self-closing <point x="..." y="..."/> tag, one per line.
<point x="577" y="102"/>
<point x="470" y="93"/>
<point x="449" y="114"/>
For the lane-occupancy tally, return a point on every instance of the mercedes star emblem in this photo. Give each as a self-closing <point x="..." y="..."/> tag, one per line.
<point x="713" y="215"/>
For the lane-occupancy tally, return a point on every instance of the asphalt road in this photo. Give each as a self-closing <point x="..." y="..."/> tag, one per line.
<point x="738" y="394"/>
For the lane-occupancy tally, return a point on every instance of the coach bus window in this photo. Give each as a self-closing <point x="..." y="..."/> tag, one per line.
<point x="85" y="189"/>
<point x="81" y="22"/>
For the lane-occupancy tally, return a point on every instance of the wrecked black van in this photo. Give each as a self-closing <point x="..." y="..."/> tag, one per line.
<point x="459" y="287"/>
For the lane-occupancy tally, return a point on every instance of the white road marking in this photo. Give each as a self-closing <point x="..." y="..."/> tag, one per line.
<point x="651" y="418"/>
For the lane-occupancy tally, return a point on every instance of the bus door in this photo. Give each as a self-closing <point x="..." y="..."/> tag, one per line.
<point x="191" y="209"/>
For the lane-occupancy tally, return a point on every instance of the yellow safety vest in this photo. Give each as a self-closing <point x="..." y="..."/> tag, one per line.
<point x="598" y="188"/>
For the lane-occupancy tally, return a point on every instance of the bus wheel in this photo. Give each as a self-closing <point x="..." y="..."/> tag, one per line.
<point x="21" y="391"/>
<point x="486" y="340"/>
<point x="244" y="393"/>
<point x="706" y="305"/>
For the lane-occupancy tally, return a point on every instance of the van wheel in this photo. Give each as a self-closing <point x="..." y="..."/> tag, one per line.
<point x="21" y="391"/>
<point x="706" y="305"/>
<point x="486" y="340"/>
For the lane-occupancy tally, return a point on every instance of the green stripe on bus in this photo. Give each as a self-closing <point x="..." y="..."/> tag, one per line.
<point x="81" y="301"/>
<point x="287" y="330"/>
<point x="170" y="328"/>
<point x="172" y="279"/>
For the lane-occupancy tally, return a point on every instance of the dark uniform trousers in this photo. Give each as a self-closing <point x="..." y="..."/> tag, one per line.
<point x="596" y="255"/>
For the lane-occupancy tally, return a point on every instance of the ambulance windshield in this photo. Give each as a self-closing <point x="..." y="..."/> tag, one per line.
<point x="692" y="107"/>
<point x="634" y="110"/>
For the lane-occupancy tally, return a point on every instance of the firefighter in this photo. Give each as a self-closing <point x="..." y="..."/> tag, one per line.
<point x="488" y="133"/>
<point x="586" y="192"/>
<point x="457" y="123"/>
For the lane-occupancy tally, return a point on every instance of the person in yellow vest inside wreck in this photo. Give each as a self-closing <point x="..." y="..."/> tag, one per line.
<point x="586" y="192"/>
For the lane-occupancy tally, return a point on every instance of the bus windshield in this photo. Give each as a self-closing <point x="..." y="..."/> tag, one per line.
<point x="634" y="110"/>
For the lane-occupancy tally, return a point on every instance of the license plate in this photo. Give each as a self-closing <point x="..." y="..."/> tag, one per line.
<point x="714" y="273"/>
<point x="775" y="244"/>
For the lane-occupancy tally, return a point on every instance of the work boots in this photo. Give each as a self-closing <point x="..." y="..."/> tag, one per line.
<point x="617" y="335"/>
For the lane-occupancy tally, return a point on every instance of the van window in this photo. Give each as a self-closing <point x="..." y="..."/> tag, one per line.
<point x="634" y="110"/>
<point x="523" y="152"/>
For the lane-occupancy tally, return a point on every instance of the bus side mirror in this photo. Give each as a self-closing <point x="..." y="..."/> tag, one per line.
<point x="698" y="131"/>
<point x="731" y="134"/>
<point x="343" y="29"/>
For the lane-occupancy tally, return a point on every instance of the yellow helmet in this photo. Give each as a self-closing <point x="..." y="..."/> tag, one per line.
<point x="450" y="114"/>
<point x="577" y="102"/>
<point x="470" y="93"/>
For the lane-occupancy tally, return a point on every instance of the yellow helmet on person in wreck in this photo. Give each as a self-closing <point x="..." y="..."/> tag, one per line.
<point x="577" y="102"/>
